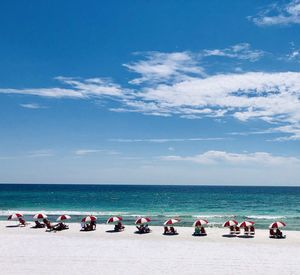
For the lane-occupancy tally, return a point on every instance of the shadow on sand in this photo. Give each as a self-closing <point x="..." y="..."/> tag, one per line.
<point x="246" y="236"/>
<point x="229" y="236"/>
<point x="112" y="231"/>
<point x="15" y="225"/>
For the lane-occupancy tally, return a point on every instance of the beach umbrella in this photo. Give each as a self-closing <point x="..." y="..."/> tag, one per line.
<point x="142" y="220"/>
<point x="246" y="224"/>
<point x="15" y="216"/>
<point x="200" y="222"/>
<point x="39" y="216"/>
<point x="230" y="223"/>
<point x="114" y="219"/>
<point x="63" y="218"/>
<point x="277" y="225"/>
<point x="171" y="221"/>
<point x="89" y="219"/>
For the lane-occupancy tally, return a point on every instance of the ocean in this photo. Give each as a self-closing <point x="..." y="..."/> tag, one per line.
<point x="214" y="203"/>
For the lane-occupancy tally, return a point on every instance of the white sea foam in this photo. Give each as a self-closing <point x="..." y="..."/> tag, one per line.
<point x="267" y="217"/>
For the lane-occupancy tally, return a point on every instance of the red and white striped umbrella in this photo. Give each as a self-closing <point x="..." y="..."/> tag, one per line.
<point x="171" y="221"/>
<point x="89" y="219"/>
<point x="15" y="216"/>
<point x="230" y="223"/>
<point x="142" y="220"/>
<point x="277" y="225"/>
<point x="114" y="219"/>
<point x="246" y="224"/>
<point x="39" y="216"/>
<point x="200" y="222"/>
<point x="63" y="218"/>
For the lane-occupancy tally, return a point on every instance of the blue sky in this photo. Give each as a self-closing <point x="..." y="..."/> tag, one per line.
<point x="150" y="92"/>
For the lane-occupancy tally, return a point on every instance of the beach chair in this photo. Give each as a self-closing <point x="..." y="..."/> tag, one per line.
<point x="22" y="222"/>
<point x="143" y="229"/>
<point x="38" y="225"/>
<point x="60" y="226"/>
<point x="252" y="230"/>
<point x="237" y="230"/>
<point x="246" y="231"/>
<point x="119" y="227"/>
<point x="232" y="230"/>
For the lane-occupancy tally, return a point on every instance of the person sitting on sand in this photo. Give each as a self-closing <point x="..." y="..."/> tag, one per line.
<point x="119" y="227"/>
<point x="203" y="232"/>
<point x="166" y="230"/>
<point x="278" y="233"/>
<point x="197" y="230"/>
<point x="93" y="225"/>
<point x="146" y="228"/>
<point x="173" y="230"/>
<point x="49" y="226"/>
<point x="272" y="233"/>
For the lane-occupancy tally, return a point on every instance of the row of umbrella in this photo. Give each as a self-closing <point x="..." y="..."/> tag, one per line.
<point x="142" y="220"/>
<point x="38" y="216"/>
<point x="86" y="219"/>
<point x="274" y="225"/>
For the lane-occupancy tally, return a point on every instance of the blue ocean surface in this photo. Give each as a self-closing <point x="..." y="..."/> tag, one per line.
<point x="214" y="203"/>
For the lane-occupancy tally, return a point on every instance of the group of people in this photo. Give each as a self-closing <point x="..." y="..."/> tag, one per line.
<point x="170" y="230"/>
<point x="143" y="228"/>
<point x="277" y="234"/>
<point x="91" y="226"/>
<point x="248" y="230"/>
<point x="50" y="227"/>
<point x="200" y="231"/>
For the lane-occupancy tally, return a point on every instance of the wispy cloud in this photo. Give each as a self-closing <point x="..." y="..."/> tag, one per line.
<point x="238" y="159"/>
<point x="79" y="88"/>
<point x="277" y="14"/>
<point x="31" y="154"/>
<point x="241" y="51"/>
<point x="83" y="152"/>
<point x="32" y="106"/>
<point x="165" y="140"/>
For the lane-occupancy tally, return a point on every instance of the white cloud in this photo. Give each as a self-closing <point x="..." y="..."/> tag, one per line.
<point x="237" y="159"/>
<point x="279" y="15"/>
<point x="240" y="51"/>
<point x="160" y="67"/>
<point x="175" y="84"/>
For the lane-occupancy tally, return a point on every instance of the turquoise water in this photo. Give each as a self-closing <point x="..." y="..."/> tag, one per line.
<point x="214" y="203"/>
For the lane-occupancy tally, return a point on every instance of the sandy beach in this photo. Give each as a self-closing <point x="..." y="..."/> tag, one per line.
<point x="34" y="251"/>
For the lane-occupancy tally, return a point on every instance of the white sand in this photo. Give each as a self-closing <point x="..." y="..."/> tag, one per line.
<point x="33" y="251"/>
